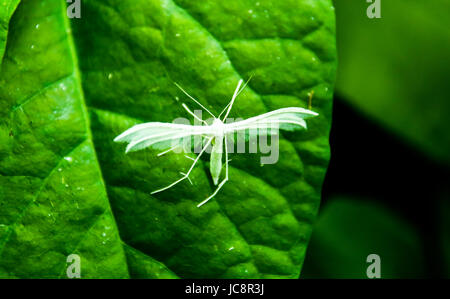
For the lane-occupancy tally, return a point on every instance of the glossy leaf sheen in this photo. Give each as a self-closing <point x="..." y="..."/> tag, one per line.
<point x="129" y="53"/>
<point x="7" y="9"/>
<point x="53" y="199"/>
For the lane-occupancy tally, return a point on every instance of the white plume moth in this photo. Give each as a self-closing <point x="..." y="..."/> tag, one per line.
<point x="168" y="136"/>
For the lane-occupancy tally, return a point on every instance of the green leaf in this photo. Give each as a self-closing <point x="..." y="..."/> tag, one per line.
<point x="7" y="8"/>
<point x="52" y="196"/>
<point x="143" y="266"/>
<point x="395" y="69"/>
<point x="129" y="53"/>
<point x="349" y="230"/>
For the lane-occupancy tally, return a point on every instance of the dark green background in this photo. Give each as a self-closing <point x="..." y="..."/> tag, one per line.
<point x="387" y="188"/>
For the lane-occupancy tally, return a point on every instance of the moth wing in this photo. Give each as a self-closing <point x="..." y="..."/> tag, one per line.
<point x="160" y="135"/>
<point x="291" y="118"/>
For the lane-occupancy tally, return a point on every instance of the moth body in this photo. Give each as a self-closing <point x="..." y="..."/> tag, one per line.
<point x="215" y="165"/>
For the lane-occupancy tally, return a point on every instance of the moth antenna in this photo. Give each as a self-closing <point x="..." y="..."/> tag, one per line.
<point x="236" y="93"/>
<point x="198" y="103"/>
<point x="193" y="114"/>
<point x="224" y="109"/>
<point x="230" y="105"/>
<point x="245" y="85"/>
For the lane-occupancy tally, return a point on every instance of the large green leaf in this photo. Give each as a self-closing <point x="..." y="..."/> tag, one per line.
<point x="9" y="6"/>
<point x="129" y="54"/>
<point x="52" y="196"/>
<point x="395" y="69"/>
<point x="349" y="230"/>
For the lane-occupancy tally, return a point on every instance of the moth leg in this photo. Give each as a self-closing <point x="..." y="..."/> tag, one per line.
<point x="198" y="103"/>
<point x="189" y="179"/>
<point x="189" y="171"/>
<point x="169" y="150"/>
<point x="224" y="180"/>
<point x="190" y="158"/>
<point x="193" y="114"/>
